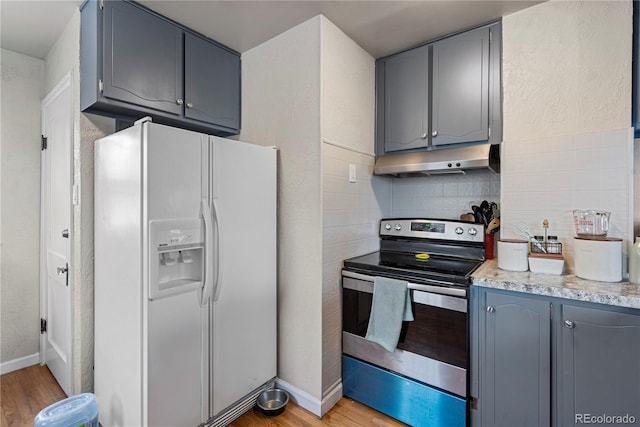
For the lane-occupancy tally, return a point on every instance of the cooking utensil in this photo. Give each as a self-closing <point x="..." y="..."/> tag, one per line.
<point x="272" y="402"/>
<point x="477" y="213"/>
<point x="493" y="226"/>
<point x="523" y="230"/>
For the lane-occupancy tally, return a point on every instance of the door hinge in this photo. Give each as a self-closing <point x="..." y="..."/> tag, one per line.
<point x="43" y="326"/>
<point x="489" y="131"/>
<point x="43" y="142"/>
<point x="473" y="403"/>
<point x="100" y="86"/>
<point x="490" y="36"/>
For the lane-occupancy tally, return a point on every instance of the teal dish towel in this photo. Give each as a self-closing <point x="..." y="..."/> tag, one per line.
<point x="391" y="305"/>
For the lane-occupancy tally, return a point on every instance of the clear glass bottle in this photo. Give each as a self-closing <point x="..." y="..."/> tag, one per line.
<point x="634" y="262"/>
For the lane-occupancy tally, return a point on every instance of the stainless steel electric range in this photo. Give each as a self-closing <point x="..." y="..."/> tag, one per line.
<point x="425" y="380"/>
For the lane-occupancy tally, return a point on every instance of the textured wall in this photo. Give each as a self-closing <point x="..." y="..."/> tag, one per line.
<point x="348" y="91"/>
<point x="567" y="109"/>
<point x="567" y="68"/>
<point x="281" y="107"/>
<point x="22" y="90"/>
<point x="351" y="211"/>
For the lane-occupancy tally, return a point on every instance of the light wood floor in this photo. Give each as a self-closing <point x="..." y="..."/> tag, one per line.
<point x="27" y="391"/>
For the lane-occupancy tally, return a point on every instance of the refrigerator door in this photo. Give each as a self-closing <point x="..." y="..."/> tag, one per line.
<point x="243" y="295"/>
<point x="176" y="179"/>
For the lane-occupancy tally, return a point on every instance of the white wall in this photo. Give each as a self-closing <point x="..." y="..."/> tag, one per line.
<point x="567" y="108"/>
<point x="310" y="91"/>
<point x="281" y="107"/>
<point x="22" y="90"/>
<point x="351" y="211"/>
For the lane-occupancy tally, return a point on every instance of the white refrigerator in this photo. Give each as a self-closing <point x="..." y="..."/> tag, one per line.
<point x="185" y="276"/>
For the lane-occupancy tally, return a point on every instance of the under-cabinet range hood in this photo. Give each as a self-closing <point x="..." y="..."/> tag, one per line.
<point x="440" y="161"/>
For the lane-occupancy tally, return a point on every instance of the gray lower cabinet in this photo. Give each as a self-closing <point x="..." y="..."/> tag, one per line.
<point x="598" y="358"/>
<point x="516" y="361"/>
<point x="136" y="63"/>
<point x="541" y="361"/>
<point x="441" y="93"/>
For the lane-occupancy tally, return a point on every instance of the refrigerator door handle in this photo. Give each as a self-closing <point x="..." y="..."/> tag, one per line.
<point x="218" y="268"/>
<point x="208" y="252"/>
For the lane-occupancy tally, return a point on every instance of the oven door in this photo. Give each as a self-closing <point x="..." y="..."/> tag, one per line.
<point x="432" y="349"/>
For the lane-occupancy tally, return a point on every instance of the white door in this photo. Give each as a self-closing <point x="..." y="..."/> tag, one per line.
<point x="243" y="340"/>
<point x="55" y="233"/>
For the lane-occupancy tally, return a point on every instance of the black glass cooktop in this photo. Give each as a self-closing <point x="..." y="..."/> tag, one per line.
<point x="411" y="267"/>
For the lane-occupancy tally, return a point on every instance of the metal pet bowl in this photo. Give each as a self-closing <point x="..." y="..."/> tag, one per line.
<point x="272" y="402"/>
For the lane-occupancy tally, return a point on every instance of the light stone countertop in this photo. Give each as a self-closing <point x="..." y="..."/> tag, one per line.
<point x="622" y="294"/>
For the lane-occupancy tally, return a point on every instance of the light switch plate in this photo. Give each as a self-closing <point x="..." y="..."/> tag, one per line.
<point x="352" y="172"/>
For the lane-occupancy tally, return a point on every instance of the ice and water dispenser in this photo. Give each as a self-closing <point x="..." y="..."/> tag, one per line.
<point x="176" y="256"/>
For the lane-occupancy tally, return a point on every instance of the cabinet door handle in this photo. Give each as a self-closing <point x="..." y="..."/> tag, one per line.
<point x="434" y="133"/>
<point x="569" y="324"/>
<point x="179" y="101"/>
<point x="189" y="105"/>
<point x="424" y="136"/>
<point x="490" y="309"/>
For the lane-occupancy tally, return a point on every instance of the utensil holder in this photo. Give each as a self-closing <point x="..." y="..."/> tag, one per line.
<point x="549" y="247"/>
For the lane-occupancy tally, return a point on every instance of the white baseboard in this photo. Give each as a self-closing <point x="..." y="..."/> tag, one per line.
<point x="22" y="362"/>
<point x="332" y="397"/>
<point x="310" y="403"/>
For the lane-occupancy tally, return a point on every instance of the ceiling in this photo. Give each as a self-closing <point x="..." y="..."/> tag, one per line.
<point x="380" y="27"/>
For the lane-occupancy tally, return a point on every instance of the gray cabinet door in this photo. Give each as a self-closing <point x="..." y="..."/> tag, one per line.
<point x="461" y="88"/>
<point x="406" y="100"/>
<point x="212" y="83"/>
<point x="515" y="361"/>
<point x="142" y="58"/>
<point x="599" y="366"/>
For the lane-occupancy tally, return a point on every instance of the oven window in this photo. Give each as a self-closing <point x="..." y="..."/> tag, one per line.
<point x="436" y="333"/>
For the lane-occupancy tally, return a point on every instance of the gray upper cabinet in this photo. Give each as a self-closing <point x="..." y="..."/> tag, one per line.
<point x="444" y="92"/>
<point x="406" y="92"/>
<point x="212" y="83"/>
<point x="142" y="58"/>
<point x="461" y="88"/>
<point x="515" y="361"/>
<point x="599" y="365"/>
<point x="136" y="63"/>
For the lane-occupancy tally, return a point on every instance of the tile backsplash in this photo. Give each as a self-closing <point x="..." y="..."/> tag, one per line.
<point x="351" y="216"/>
<point x="550" y="177"/>
<point x="445" y="196"/>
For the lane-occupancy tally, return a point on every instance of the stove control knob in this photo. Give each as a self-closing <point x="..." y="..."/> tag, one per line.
<point x="473" y="231"/>
<point x="387" y="226"/>
<point x="398" y="227"/>
<point x="459" y="230"/>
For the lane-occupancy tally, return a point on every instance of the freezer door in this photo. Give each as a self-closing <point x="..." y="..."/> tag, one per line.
<point x="176" y="180"/>
<point x="243" y="295"/>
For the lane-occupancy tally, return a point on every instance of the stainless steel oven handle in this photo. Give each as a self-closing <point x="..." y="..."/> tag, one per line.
<point x="444" y="290"/>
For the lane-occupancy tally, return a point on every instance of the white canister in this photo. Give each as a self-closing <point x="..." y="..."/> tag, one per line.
<point x="598" y="259"/>
<point x="513" y="255"/>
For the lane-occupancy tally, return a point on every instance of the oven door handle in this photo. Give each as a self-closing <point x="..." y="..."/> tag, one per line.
<point x="441" y="290"/>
